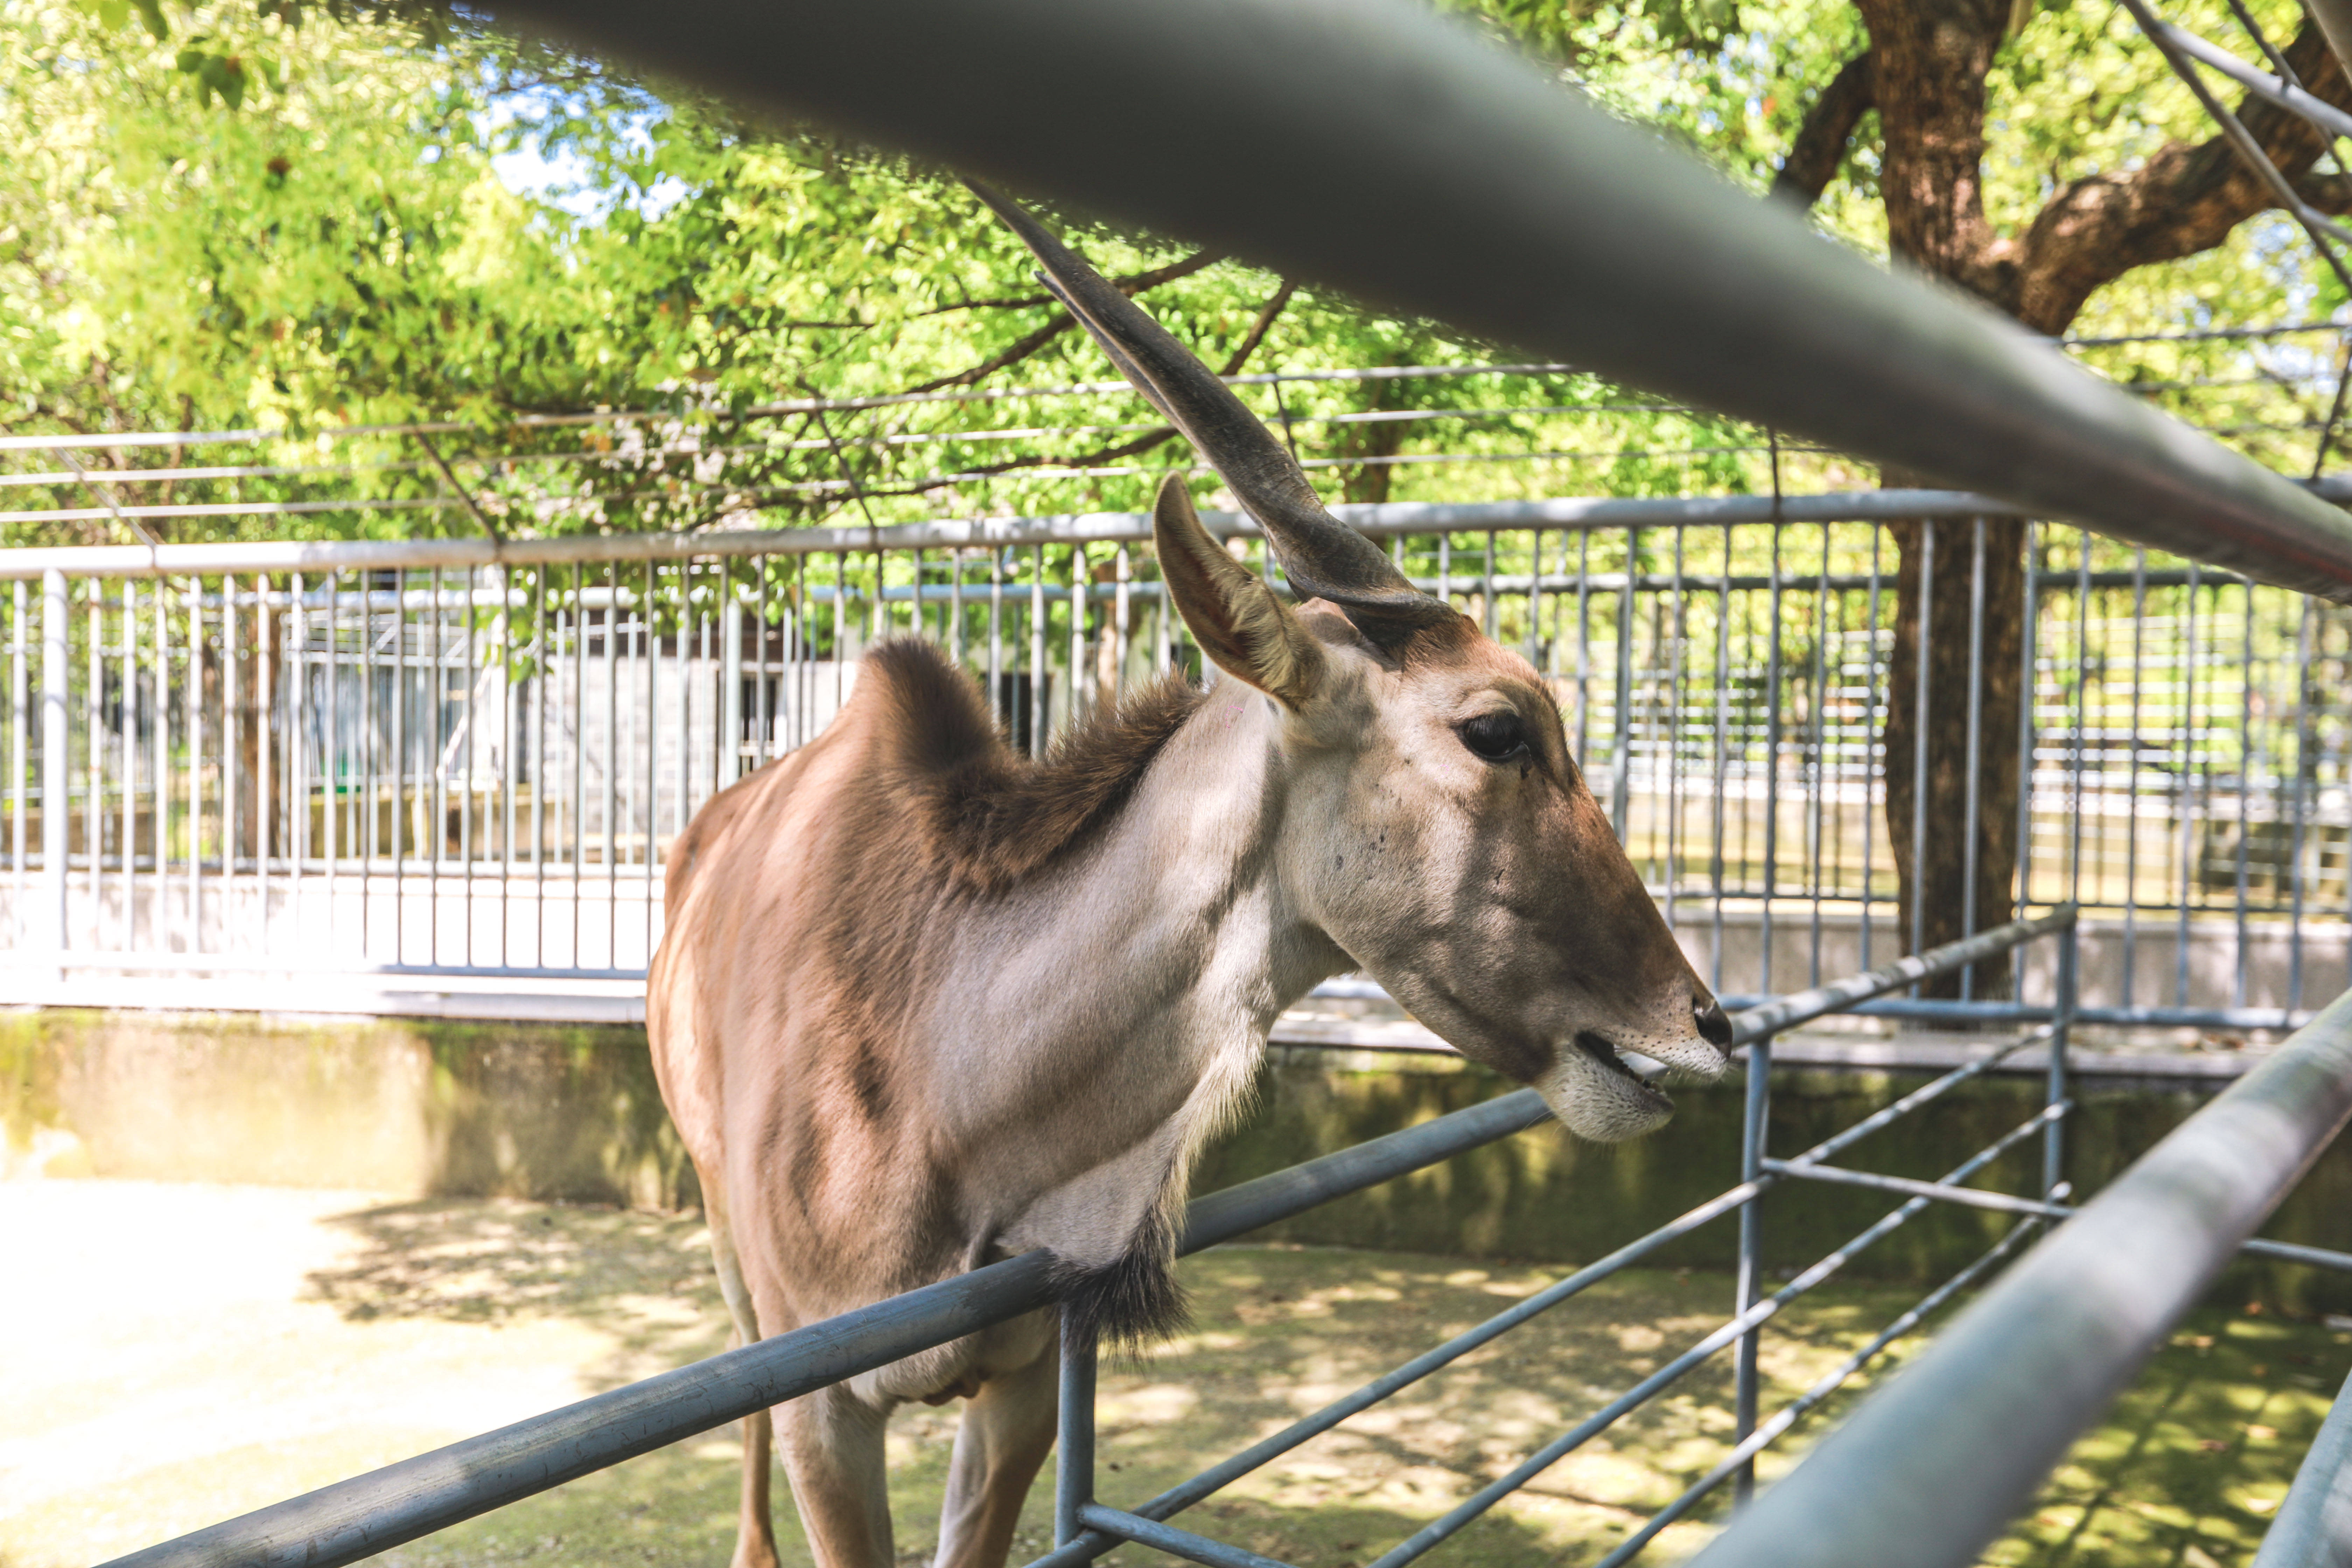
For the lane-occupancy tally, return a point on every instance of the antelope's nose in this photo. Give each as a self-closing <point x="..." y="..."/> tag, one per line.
<point x="1714" y="1024"/>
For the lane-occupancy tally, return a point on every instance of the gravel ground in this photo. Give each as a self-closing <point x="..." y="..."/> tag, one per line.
<point x="181" y="1354"/>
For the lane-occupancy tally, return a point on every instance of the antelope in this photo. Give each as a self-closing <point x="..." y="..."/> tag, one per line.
<point x="923" y="1003"/>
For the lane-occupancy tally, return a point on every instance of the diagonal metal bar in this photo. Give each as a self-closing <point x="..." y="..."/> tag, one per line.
<point x="2012" y="1383"/>
<point x="1169" y="1539"/>
<point x="1541" y="221"/>
<point x="2313" y="1528"/>
<point x="1789" y="1414"/>
<point x="2319" y="225"/>
<point x="1609" y="1415"/>
<point x="2288" y="96"/>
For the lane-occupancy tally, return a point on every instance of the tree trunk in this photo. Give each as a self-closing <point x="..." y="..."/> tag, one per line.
<point x="1934" y="871"/>
<point x="1925" y="73"/>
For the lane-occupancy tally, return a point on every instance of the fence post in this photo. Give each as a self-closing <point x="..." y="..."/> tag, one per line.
<point x="1752" y="1139"/>
<point x="731" y="682"/>
<point x="55" y="811"/>
<point x="2062" y="1019"/>
<point x="1074" y="1455"/>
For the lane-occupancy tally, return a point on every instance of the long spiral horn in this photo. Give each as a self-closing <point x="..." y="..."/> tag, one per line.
<point x="1323" y="557"/>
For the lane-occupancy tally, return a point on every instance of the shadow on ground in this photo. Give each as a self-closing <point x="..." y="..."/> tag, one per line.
<point x="642" y="1278"/>
<point x="2186" y="1474"/>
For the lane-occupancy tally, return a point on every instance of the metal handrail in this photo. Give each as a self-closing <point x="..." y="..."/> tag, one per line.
<point x="2313" y="1528"/>
<point x="1929" y="1470"/>
<point x="1381" y="519"/>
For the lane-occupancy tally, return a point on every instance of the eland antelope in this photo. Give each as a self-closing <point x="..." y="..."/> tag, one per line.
<point x="923" y="1003"/>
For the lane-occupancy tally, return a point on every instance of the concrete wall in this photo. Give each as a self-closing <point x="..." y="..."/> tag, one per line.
<point x="417" y="1108"/>
<point x="384" y="1105"/>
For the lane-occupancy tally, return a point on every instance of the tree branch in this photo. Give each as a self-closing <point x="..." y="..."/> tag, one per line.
<point x="1062" y="322"/>
<point x="2184" y="199"/>
<point x="1829" y="125"/>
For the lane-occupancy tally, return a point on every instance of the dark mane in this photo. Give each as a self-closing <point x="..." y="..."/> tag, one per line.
<point x="993" y="816"/>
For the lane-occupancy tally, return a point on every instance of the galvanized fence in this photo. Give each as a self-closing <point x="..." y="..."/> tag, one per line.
<point x="450" y="759"/>
<point x="2312" y="1077"/>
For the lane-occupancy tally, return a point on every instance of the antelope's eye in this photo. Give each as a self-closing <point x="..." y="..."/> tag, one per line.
<point x="1498" y="737"/>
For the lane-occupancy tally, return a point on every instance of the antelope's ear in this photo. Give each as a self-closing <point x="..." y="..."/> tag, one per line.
<point x="1252" y="635"/>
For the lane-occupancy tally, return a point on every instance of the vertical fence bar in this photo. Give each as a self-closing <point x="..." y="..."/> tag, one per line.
<point x="55" y="682"/>
<point x="1919" y="739"/>
<point x="399" y="787"/>
<point x="2127" y="991"/>
<point x="730" y="684"/>
<point x="267" y="646"/>
<point x="160" y="929"/>
<point x="2030" y="638"/>
<point x="2061" y="1022"/>
<point x="232" y="744"/>
<point x="1620" y="786"/>
<point x="1037" y="651"/>
<point x="20" y="777"/>
<point x="194" y="697"/>
<point x="1971" y="810"/>
<point x="1722" y="769"/>
<point x="1772" y="770"/>
<point x="1873" y="777"/>
<point x="2186" y="798"/>
<point x="93" y="805"/>
<point x="1074" y="1461"/>
<point x="1753" y="1130"/>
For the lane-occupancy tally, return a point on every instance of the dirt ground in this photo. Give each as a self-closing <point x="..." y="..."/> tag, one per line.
<point x="178" y="1354"/>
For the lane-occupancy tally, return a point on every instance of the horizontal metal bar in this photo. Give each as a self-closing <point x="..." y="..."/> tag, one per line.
<point x="1803" y="1006"/>
<point x="2001" y="1203"/>
<point x="1936" y="1009"/>
<point x="1169" y="1539"/>
<point x="1714" y="297"/>
<point x="1382" y="520"/>
<point x="2038" y="1358"/>
<point x="2313" y="1528"/>
<point x="332" y="968"/>
<point x="2330" y="119"/>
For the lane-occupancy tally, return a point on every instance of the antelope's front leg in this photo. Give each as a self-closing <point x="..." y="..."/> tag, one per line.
<point x="1007" y="1430"/>
<point x="832" y="1447"/>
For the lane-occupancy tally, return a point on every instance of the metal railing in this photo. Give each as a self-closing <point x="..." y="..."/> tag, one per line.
<point x="462" y="758"/>
<point x="2305" y="1093"/>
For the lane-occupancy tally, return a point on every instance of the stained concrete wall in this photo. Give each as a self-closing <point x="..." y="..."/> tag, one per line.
<point x="403" y="1108"/>
<point x="572" y="1113"/>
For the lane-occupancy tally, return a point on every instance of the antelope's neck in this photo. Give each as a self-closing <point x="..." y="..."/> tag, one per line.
<point x="1128" y="994"/>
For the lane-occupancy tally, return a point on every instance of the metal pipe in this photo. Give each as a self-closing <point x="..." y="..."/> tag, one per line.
<point x="54" y="751"/>
<point x="1175" y="1542"/>
<point x="2037" y="1359"/>
<point x="1074" y="1458"/>
<point x="1753" y="1131"/>
<point x="2288" y="96"/>
<point x="2313" y="1528"/>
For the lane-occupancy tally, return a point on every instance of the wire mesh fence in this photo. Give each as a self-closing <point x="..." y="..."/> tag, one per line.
<point x="475" y="769"/>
